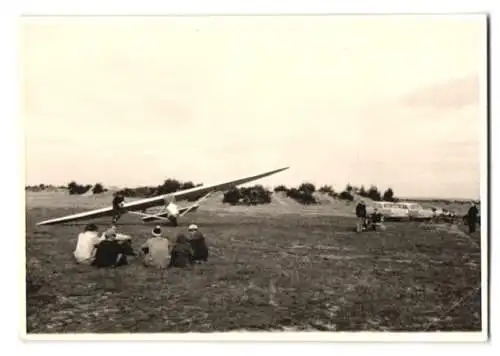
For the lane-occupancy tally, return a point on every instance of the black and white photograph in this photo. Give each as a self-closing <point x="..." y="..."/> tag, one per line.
<point x="255" y="175"/>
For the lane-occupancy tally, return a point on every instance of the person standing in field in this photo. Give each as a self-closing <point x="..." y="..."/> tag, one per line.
<point x="472" y="218"/>
<point x="155" y="250"/>
<point x="118" y="201"/>
<point x="361" y="215"/>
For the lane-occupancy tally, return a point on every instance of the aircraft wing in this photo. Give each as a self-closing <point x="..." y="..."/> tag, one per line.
<point x="159" y="200"/>
<point x="202" y="190"/>
<point x="108" y="211"/>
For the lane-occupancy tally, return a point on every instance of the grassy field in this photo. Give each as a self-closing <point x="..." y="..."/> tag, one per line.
<point x="269" y="269"/>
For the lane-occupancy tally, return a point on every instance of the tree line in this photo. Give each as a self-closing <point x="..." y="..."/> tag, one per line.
<point x="304" y="194"/>
<point x="254" y="195"/>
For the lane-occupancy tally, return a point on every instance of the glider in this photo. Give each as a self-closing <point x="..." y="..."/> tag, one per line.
<point x="169" y="212"/>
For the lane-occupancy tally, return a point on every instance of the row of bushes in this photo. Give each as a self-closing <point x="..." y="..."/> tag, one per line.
<point x="257" y="194"/>
<point x="304" y="193"/>
<point x="168" y="186"/>
<point x="372" y="193"/>
<point x="73" y="188"/>
<point x="78" y="189"/>
<point x="42" y="187"/>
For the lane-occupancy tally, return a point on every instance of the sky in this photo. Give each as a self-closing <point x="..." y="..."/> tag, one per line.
<point x="395" y="101"/>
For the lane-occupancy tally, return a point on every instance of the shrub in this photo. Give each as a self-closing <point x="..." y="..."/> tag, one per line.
<point x="257" y="195"/>
<point x="281" y="188"/>
<point x="232" y="196"/>
<point x="173" y="185"/>
<point x="169" y="186"/>
<point x="389" y="195"/>
<point x="187" y="185"/>
<point x="303" y="195"/>
<point x="247" y="196"/>
<point x="98" y="189"/>
<point x="345" y="195"/>
<point x="374" y="194"/>
<point x="326" y="189"/>
<point x="307" y="188"/>
<point x="76" y="189"/>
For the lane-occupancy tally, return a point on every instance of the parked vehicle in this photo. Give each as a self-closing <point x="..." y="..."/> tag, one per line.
<point x="416" y="211"/>
<point x="389" y="210"/>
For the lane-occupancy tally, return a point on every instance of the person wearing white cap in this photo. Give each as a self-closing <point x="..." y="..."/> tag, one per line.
<point x="156" y="249"/>
<point x="198" y="244"/>
<point x="192" y="229"/>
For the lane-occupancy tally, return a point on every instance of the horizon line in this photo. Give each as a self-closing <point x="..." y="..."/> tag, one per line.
<point x="422" y="198"/>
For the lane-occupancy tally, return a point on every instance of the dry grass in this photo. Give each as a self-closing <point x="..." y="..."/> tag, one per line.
<point x="266" y="272"/>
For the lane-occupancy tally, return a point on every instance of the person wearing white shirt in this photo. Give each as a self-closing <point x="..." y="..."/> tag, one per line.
<point x="86" y="245"/>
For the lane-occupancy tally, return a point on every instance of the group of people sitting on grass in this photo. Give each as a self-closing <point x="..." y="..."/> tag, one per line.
<point x="111" y="248"/>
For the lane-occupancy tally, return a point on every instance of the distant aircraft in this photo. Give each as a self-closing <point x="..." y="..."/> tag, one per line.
<point x="170" y="213"/>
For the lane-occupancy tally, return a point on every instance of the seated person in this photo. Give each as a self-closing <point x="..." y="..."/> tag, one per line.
<point x="128" y="250"/>
<point x="86" y="245"/>
<point x="181" y="255"/>
<point x="376" y="220"/>
<point x="110" y="253"/>
<point x="125" y="241"/>
<point x="155" y="250"/>
<point x="118" y="236"/>
<point x="198" y="244"/>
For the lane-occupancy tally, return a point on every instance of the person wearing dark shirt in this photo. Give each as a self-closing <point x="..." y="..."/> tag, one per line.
<point x="182" y="254"/>
<point x="127" y="248"/>
<point x="361" y="209"/>
<point x="117" y="204"/>
<point x="110" y="253"/>
<point x="361" y="214"/>
<point x="199" y="247"/>
<point x="376" y="219"/>
<point x="472" y="218"/>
